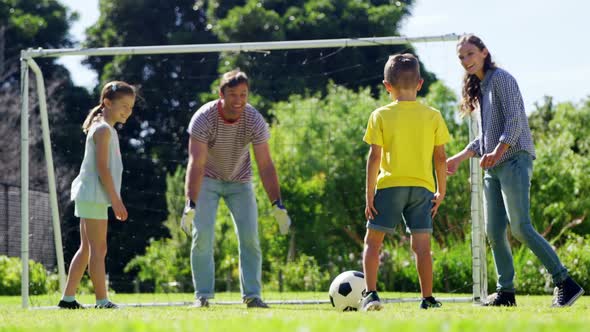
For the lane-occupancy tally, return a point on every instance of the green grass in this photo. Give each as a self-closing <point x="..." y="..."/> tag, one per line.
<point x="532" y="314"/>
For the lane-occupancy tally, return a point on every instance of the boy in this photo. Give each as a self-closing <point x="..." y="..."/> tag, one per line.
<point x="406" y="138"/>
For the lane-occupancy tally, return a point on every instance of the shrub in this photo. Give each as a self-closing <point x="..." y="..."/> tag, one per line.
<point x="11" y="272"/>
<point x="302" y="274"/>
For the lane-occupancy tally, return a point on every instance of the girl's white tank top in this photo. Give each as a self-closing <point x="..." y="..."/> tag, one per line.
<point x="87" y="186"/>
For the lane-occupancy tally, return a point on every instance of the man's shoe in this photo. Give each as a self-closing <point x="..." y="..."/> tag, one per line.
<point x="255" y="302"/>
<point x="566" y="293"/>
<point x="371" y="302"/>
<point x="501" y="299"/>
<point x="108" y="305"/>
<point x="200" y="303"/>
<point x="430" y="302"/>
<point x="69" y="305"/>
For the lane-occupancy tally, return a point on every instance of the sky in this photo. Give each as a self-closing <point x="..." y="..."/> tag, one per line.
<point x="540" y="42"/>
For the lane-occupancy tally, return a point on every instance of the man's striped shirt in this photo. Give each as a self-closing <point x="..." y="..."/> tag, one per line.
<point x="228" y="157"/>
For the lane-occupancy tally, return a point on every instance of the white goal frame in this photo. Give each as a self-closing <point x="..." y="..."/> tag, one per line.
<point x="28" y="63"/>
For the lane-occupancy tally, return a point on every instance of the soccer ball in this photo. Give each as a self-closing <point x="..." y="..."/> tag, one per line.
<point x="346" y="290"/>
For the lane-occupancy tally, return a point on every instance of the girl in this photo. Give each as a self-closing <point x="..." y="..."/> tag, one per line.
<point x="507" y="152"/>
<point x="96" y="188"/>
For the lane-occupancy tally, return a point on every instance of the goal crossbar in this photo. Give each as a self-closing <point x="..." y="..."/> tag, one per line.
<point x="28" y="62"/>
<point x="235" y="47"/>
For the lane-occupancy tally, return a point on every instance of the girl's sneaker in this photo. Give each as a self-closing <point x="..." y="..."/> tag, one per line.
<point x="430" y="302"/>
<point x="69" y="305"/>
<point x="108" y="305"/>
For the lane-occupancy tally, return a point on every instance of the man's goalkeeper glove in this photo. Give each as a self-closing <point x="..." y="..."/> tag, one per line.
<point x="280" y="213"/>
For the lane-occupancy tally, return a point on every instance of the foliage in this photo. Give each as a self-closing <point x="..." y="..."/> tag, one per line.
<point x="31" y="24"/>
<point x="302" y="274"/>
<point x="28" y="24"/>
<point x="279" y="74"/>
<point x="165" y="264"/>
<point x="575" y="255"/>
<point x="320" y="162"/>
<point x="11" y="272"/>
<point x="560" y="190"/>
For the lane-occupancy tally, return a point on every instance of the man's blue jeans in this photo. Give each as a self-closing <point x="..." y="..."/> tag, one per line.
<point x="241" y="201"/>
<point x="507" y="201"/>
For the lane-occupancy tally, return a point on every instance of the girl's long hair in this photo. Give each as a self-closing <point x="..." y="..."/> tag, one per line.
<point x="471" y="88"/>
<point x="111" y="90"/>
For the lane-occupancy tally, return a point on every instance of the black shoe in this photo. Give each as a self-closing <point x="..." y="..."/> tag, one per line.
<point x="371" y="302"/>
<point x="501" y="299"/>
<point x="430" y="302"/>
<point x="255" y="302"/>
<point x="108" y="305"/>
<point x="566" y="293"/>
<point x="69" y="305"/>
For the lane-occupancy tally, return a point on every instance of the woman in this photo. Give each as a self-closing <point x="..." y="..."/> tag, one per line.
<point x="506" y="149"/>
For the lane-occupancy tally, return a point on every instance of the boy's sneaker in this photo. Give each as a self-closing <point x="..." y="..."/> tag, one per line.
<point x="69" y="305"/>
<point x="501" y="299"/>
<point x="430" y="302"/>
<point x="255" y="302"/>
<point x="200" y="303"/>
<point x="108" y="305"/>
<point x="566" y="293"/>
<point x="371" y="302"/>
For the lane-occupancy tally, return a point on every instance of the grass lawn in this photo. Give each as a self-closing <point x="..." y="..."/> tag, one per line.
<point x="532" y="314"/>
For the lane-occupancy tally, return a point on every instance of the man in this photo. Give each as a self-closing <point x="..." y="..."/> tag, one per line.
<point x="221" y="132"/>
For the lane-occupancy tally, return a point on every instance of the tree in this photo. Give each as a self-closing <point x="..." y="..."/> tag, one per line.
<point x="560" y="185"/>
<point x="279" y="74"/>
<point x="154" y="141"/>
<point x="30" y="24"/>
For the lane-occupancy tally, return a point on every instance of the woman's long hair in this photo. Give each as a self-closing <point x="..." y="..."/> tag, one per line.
<point x="471" y="88"/>
<point x="111" y="90"/>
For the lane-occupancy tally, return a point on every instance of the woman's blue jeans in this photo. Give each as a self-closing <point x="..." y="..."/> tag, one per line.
<point x="507" y="202"/>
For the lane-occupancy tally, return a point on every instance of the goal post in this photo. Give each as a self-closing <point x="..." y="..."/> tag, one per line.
<point x="28" y="64"/>
<point x="478" y="241"/>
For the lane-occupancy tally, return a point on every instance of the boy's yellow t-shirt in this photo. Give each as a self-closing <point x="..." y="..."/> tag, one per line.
<point x="407" y="131"/>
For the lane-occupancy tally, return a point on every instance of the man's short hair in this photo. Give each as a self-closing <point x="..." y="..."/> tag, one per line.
<point x="402" y="71"/>
<point x="233" y="78"/>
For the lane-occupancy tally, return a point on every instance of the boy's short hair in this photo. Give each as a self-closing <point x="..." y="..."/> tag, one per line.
<point x="233" y="78"/>
<point x="402" y="71"/>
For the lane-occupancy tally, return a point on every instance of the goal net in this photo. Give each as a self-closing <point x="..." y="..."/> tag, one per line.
<point x="310" y="127"/>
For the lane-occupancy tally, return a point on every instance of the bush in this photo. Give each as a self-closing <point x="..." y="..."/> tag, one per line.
<point x="397" y="269"/>
<point x="11" y="272"/>
<point x="530" y="275"/>
<point x="452" y="268"/>
<point x="303" y="274"/>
